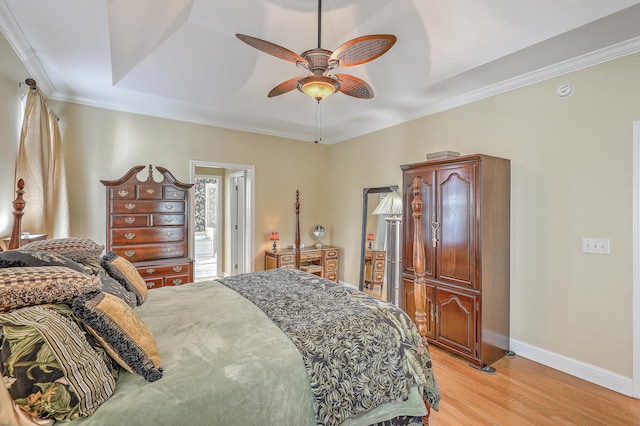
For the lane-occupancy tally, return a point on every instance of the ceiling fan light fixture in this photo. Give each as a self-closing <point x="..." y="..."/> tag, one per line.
<point x="318" y="87"/>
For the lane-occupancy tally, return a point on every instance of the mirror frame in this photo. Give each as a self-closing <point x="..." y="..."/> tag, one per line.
<point x="365" y="207"/>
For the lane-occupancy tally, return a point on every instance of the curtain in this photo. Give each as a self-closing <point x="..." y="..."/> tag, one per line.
<point x="41" y="165"/>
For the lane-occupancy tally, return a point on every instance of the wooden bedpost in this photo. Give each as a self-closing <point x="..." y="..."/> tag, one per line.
<point x="419" y="287"/>
<point x="18" y="211"/>
<point x="296" y="243"/>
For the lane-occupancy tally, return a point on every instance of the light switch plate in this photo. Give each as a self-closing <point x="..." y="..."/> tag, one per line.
<point x="596" y="245"/>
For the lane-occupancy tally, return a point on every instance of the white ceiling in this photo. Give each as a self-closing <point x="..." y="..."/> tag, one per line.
<point x="180" y="58"/>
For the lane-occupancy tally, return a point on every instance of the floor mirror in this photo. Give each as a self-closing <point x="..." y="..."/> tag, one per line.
<point x="376" y="244"/>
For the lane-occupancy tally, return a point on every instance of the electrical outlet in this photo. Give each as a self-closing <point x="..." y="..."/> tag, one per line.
<point x="596" y="245"/>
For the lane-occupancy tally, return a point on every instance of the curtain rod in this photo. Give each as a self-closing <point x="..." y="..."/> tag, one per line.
<point x="29" y="82"/>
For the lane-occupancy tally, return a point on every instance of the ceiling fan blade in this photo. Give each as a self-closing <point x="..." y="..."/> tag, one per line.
<point x="284" y="87"/>
<point x="271" y="48"/>
<point x="363" y="49"/>
<point x="353" y="86"/>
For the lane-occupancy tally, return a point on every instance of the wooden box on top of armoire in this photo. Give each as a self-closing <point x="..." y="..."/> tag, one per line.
<point x="148" y="224"/>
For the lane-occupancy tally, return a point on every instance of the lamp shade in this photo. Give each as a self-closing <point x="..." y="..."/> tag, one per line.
<point x="274" y="236"/>
<point x="390" y="205"/>
<point x="318" y="87"/>
<point x="369" y="237"/>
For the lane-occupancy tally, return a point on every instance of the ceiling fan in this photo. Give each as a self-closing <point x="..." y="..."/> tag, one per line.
<point x="318" y="62"/>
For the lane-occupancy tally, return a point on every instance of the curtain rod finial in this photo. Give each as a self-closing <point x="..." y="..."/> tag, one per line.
<point x="31" y="82"/>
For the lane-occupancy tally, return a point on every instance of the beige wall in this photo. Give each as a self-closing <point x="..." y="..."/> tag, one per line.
<point x="571" y="163"/>
<point x="104" y="144"/>
<point x="571" y="177"/>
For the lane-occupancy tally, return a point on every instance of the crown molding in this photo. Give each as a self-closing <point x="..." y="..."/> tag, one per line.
<point x="14" y="35"/>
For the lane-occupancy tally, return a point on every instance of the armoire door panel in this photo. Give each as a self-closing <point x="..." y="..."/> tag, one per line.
<point x="456" y="226"/>
<point x="428" y="195"/>
<point x="409" y="305"/>
<point x="456" y="320"/>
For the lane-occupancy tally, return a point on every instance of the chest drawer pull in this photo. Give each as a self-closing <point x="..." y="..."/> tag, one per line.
<point x="129" y="235"/>
<point x="177" y="282"/>
<point x="168" y="234"/>
<point x="175" y="195"/>
<point x="177" y="268"/>
<point x="130" y="253"/>
<point x="170" y="249"/>
<point x="129" y="220"/>
<point x="151" y="191"/>
<point x="169" y="207"/>
<point x="130" y="206"/>
<point x="168" y="219"/>
<point x="123" y="193"/>
<point x="150" y="271"/>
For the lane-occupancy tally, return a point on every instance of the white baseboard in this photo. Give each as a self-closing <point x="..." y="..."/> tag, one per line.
<point x="591" y="373"/>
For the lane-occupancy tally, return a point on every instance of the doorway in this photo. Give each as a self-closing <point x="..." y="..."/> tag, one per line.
<point x="207" y="224"/>
<point x="229" y="223"/>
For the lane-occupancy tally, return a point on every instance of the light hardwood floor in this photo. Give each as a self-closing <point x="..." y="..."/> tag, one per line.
<point x="523" y="392"/>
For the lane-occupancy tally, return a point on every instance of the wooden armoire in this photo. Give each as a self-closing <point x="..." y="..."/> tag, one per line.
<point x="148" y="224"/>
<point x="465" y="231"/>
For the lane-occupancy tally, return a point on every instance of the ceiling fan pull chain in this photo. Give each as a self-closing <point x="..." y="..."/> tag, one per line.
<point x="318" y="123"/>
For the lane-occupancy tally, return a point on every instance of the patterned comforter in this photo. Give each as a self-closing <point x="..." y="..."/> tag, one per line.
<point x="359" y="352"/>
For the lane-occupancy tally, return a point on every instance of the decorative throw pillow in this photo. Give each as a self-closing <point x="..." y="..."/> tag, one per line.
<point x="22" y="257"/>
<point x="30" y="285"/>
<point x="126" y="274"/>
<point x="50" y="370"/>
<point x="73" y="248"/>
<point x="113" y="287"/>
<point x="121" y="332"/>
<point x="92" y="265"/>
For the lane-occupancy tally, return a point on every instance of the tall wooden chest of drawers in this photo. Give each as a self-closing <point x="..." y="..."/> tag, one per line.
<point x="148" y="224"/>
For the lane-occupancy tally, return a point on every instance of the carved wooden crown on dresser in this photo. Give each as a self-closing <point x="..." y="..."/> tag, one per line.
<point x="147" y="224"/>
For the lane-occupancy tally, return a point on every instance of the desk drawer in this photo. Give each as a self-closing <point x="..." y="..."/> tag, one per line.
<point x="331" y="254"/>
<point x="331" y="265"/>
<point x="286" y="260"/>
<point x="332" y="276"/>
<point x="309" y="256"/>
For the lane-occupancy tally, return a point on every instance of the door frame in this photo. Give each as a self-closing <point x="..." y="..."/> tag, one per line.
<point x="236" y="199"/>
<point x="635" y="391"/>
<point x="249" y="199"/>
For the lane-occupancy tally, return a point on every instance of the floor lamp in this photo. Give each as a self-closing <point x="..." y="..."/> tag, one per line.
<point x="391" y="207"/>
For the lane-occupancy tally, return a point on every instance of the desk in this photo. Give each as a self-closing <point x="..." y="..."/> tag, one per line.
<point x="26" y="238"/>
<point x="322" y="262"/>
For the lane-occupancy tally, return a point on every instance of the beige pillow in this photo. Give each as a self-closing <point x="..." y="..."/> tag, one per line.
<point x="126" y="274"/>
<point x="121" y="332"/>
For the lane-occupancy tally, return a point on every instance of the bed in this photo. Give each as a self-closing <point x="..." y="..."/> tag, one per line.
<point x="277" y="347"/>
